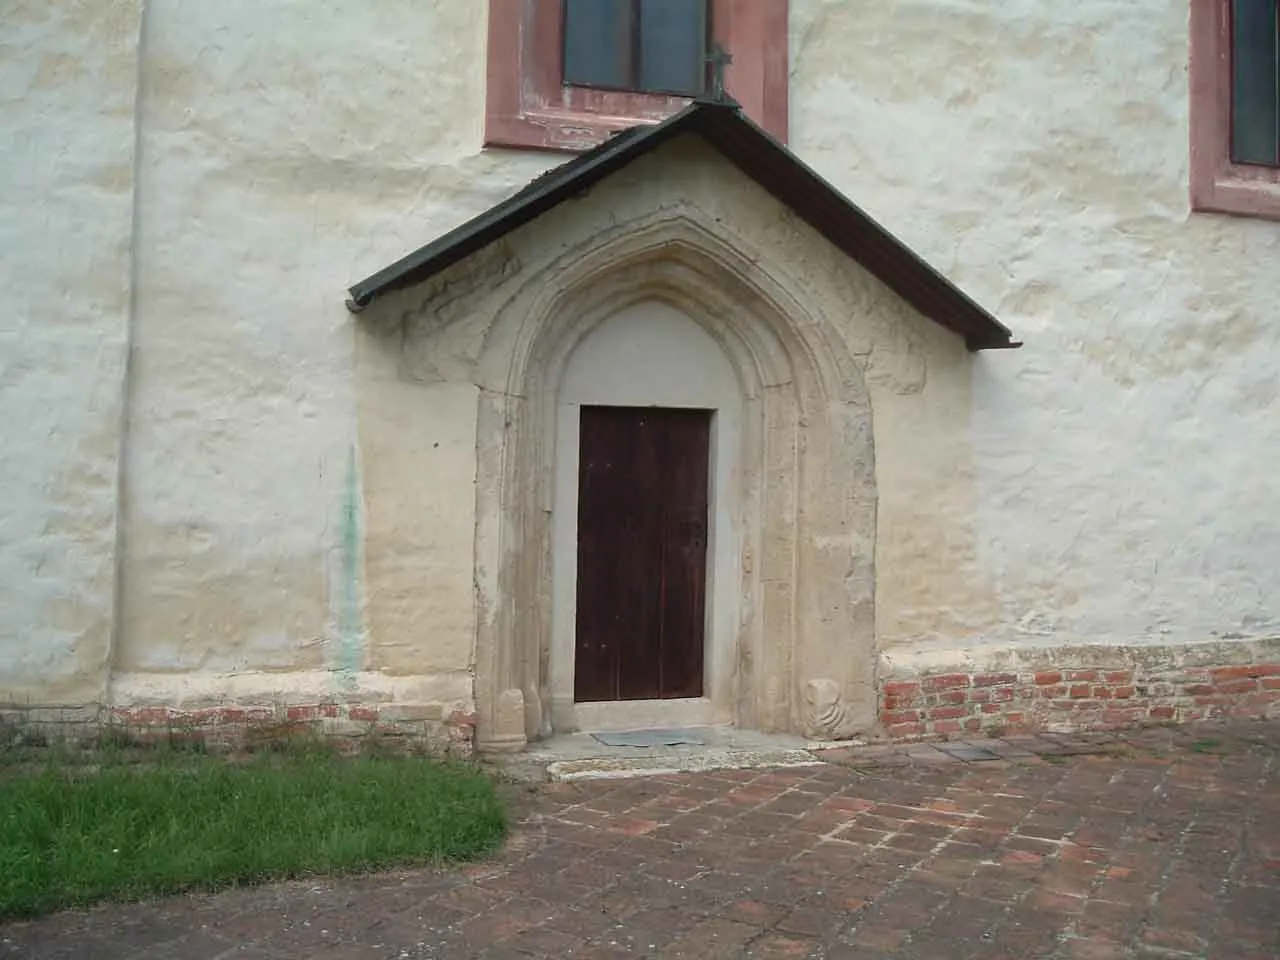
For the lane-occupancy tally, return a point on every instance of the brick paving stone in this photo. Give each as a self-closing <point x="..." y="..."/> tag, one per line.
<point x="781" y="946"/>
<point x="928" y="753"/>
<point x="1094" y="950"/>
<point x="1145" y="846"/>
<point x="713" y="937"/>
<point x="968" y="752"/>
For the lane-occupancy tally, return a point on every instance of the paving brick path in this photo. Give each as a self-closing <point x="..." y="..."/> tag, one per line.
<point x="1163" y="845"/>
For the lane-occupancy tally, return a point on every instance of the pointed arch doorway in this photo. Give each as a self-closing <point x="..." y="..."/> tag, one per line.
<point x="645" y="525"/>
<point x="788" y="640"/>
<point x="762" y="271"/>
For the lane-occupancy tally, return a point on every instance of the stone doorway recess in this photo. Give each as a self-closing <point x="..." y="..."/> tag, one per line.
<point x="792" y="648"/>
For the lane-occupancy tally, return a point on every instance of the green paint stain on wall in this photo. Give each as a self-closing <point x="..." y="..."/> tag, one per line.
<point x="350" y="627"/>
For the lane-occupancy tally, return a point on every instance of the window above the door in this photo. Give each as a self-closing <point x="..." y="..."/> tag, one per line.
<point x="566" y="74"/>
<point x="1235" y="107"/>
<point x="637" y="46"/>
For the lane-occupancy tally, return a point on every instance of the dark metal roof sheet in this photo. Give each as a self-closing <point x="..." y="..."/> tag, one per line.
<point x="760" y="157"/>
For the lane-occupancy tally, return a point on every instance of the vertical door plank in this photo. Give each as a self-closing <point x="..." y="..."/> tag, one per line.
<point x="597" y="472"/>
<point x="638" y="598"/>
<point x="619" y="510"/>
<point x="684" y="551"/>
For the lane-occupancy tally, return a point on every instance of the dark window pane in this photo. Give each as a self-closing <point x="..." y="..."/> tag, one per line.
<point x="597" y="43"/>
<point x="673" y="43"/>
<point x="1255" y="62"/>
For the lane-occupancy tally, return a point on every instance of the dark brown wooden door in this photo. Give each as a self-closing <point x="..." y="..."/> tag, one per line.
<point x="642" y="553"/>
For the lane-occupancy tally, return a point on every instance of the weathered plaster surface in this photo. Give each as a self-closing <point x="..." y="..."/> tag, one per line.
<point x="273" y="154"/>
<point x="67" y="85"/>
<point x="1111" y="484"/>
<point x="1037" y="153"/>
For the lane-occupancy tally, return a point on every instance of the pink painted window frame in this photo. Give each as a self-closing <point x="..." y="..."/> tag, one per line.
<point x="1217" y="184"/>
<point x="528" y="106"/>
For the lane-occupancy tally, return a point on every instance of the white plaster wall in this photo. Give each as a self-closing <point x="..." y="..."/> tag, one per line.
<point x="288" y="150"/>
<point x="1116" y="480"/>
<point x="67" y="82"/>
<point x="1124" y="458"/>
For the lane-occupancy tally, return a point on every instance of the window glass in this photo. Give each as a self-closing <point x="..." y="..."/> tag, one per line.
<point x="673" y="45"/>
<point x="648" y="46"/>
<point x="1255" y="82"/>
<point x="598" y="42"/>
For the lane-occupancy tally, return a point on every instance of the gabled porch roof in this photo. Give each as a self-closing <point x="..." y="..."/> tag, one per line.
<point x="760" y="157"/>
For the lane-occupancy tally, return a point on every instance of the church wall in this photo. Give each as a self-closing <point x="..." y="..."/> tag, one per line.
<point x="1120" y="460"/>
<point x="1124" y="516"/>
<point x="1104" y="499"/>
<point x="67" y="180"/>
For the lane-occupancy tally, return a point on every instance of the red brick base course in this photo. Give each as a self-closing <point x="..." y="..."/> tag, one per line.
<point x="425" y="726"/>
<point x="964" y="704"/>
<point x="936" y="706"/>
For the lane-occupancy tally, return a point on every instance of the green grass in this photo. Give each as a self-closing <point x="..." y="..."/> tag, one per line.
<point x="108" y="825"/>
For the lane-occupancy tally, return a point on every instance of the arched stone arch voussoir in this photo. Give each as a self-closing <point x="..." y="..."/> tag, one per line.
<point x="804" y="655"/>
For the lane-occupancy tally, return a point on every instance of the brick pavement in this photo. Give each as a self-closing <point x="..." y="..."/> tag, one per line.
<point x="1164" y="844"/>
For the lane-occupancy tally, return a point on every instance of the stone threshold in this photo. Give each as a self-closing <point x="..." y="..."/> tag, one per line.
<point x="582" y="757"/>
<point x="579" y="757"/>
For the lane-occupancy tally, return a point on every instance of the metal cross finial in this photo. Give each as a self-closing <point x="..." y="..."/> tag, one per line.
<point x="719" y="58"/>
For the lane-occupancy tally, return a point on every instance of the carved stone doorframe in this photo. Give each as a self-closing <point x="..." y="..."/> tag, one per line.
<point x="805" y="658"/>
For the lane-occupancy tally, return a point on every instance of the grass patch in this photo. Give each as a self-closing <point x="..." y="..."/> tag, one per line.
<point x="76" y="828"/>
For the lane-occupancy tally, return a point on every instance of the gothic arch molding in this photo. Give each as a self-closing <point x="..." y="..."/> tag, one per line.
<point x="804" y="650"/>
